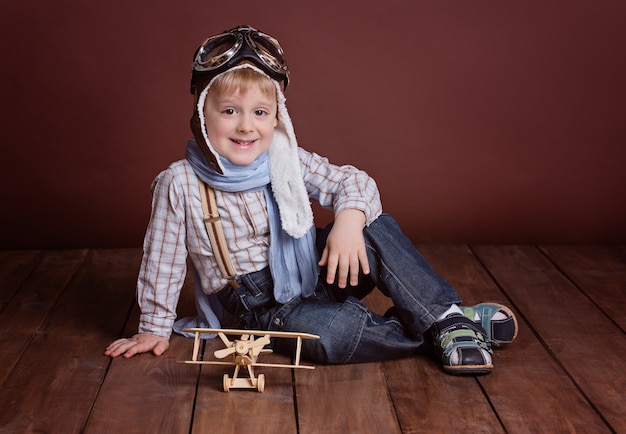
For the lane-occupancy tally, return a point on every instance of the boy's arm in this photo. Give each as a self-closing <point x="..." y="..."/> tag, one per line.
<point x="162" y="272"/>
<point x="164" y="263"/>
<point x="353" y="195"/>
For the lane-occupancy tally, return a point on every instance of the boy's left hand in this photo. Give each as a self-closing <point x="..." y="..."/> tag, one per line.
<point x="345" y="249"/>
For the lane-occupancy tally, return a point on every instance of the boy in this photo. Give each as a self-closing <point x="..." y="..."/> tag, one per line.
<point x="245" y="149"/>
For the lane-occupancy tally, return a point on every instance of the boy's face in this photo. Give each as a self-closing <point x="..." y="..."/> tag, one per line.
<point x="240" y="125"/>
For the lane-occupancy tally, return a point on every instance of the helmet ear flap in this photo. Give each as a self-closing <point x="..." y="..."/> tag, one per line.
<point x="200" y="80"/>
<point x="195" y="123"/>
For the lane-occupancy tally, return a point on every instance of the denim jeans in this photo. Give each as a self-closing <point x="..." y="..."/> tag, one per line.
<point x="349" y="332"/>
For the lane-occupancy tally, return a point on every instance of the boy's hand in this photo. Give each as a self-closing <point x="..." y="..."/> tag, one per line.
<point x="345" y="249"/>
<point x="139" y="343"/>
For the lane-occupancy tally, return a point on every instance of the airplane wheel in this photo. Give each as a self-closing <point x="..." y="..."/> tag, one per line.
<point x="260" y="382"/>
<point x="226" y="383"/>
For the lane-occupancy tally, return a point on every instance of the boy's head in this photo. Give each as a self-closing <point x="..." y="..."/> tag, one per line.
<point x="246" y="67"/>
<point x="236" y="61"/>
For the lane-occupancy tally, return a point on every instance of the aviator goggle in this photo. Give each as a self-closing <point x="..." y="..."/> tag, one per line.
<point x="221" y="52"/>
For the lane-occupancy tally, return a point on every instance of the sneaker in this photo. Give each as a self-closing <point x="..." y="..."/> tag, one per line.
<point x="462" y="345"/>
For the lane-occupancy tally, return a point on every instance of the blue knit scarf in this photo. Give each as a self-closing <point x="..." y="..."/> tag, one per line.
<point x="293" y="262"/>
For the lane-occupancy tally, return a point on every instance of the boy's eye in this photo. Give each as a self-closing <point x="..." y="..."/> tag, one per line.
<point x="229" y="111"/>
<point x="260" y="112"/>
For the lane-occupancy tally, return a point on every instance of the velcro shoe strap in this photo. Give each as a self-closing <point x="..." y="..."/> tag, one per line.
<point x="454" y="322"/>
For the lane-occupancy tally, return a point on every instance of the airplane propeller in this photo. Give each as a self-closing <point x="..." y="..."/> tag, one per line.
<point x="243" y="347"/>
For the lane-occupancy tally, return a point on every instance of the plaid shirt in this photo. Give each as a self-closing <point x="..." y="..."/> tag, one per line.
<point x="177" y="231"/>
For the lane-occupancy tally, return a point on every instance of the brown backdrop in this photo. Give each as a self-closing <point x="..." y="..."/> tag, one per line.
<point x="482" y="121"/>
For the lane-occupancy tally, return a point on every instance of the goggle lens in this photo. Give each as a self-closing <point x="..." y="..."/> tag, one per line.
<point x="268" y="49"/>
<point x="218" y="50"/>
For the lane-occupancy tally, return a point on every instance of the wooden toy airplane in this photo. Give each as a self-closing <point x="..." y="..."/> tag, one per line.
<point x="244" y="352"/>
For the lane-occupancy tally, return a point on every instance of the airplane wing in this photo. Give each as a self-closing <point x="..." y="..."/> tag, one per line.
<point x="240" y="332"/>
<point x="222" y="333"/>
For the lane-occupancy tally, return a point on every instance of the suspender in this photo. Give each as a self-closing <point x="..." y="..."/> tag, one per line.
<point x="213" y="223"/>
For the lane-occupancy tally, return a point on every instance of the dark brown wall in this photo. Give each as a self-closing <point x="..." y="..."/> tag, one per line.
<point x="482" y="121"/>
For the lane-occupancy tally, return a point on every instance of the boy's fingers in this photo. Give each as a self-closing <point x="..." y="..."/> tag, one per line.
<point x="324" y="258"/>
<point x="136" y="347"/>
<point x="365" y="265"/>
<point x="354" y="271"/>
<point x="130" y="352"/>
<point x="342" y="270"/>
<point x="116" y="348"/>
<point x="345" y="272"/>
<point x="128" y="347"/>
<point x="125" y="346"/>
<point x="331" y="266"/>
<point x="161" y="347"/>
<point x="331" y="272"/>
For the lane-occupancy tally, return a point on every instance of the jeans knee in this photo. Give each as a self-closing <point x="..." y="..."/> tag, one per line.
<point x="339" y="326"/>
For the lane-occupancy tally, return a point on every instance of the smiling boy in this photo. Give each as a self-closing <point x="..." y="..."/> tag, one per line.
<point x="286" y="275"/>
<point x="240" y="121"/>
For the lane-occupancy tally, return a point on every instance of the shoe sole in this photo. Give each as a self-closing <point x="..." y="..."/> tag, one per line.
<point x="468" y="369"/>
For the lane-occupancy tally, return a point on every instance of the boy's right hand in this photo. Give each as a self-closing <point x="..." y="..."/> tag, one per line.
<point x="139" y="343"/>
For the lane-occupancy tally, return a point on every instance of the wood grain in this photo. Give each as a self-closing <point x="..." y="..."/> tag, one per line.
<point x="564" y="373"/>
<point x="580" y="338"/>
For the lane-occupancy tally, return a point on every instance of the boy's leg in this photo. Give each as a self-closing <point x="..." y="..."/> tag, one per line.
<point x="421" y="299"/>
<point x="420" y="296"/>
<point x="349" y="332"/>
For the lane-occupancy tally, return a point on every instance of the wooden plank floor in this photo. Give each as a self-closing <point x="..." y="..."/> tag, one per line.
<point x="565" y="372"/>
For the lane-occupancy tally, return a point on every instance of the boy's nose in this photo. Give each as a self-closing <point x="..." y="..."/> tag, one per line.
<point x="245" y="124"/>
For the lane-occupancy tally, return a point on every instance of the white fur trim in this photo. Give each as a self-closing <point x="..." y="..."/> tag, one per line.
<point x="290" y="193"/>
<point x="200" y="109"/>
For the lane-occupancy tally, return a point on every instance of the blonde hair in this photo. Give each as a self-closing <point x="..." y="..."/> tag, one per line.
<point x="242" y="80"/>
